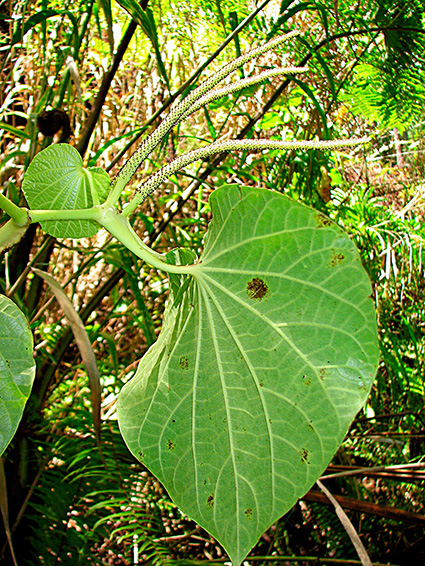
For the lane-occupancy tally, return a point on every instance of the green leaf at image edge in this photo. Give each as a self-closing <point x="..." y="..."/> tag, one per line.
<point x="260" y="367"/>
<point x="17" y="368"/>
<point x="57" y="180"/>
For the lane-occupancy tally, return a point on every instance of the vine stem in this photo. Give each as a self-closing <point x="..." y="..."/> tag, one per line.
<point x="11" y="233"/>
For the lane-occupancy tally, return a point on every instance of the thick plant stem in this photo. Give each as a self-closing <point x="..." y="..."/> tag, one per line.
<point x="19" y="215"/>
<point x="113" y="221"/>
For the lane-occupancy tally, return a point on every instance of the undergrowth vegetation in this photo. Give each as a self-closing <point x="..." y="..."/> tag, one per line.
<point x="111" y="70"/>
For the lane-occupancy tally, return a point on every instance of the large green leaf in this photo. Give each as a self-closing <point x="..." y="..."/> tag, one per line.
<point x="17" y="368"/>
<point x="266" y="354"/>
<point x="57" y="180"/>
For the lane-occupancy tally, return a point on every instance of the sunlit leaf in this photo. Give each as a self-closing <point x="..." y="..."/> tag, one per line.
<point x="57" y="180"/>
<point x="17" y="368"/>
<point x="267" y="352"/>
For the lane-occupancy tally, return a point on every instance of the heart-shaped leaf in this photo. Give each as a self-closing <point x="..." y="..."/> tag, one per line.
<point x="57" y="180"/>
<point x="267" y="352"/>
<point x="17" y="368"/>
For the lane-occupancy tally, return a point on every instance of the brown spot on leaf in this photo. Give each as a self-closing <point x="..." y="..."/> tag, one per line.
<point x="322" y="220"/>
<point x="184" y="362"/>
<point x="170" y="445"/>
<point x="141" y="455"/>
<point x="210" y="501"/>
<point x="336" y="258"/>
<point x="304" y="453"/>
<point x="248" y="513"/>
<point x="322" y="373"/>
<point x="257" y="289"/>
<point x="306" y="380"/>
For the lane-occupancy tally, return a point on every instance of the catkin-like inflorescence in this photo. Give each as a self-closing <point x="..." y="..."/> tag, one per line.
<point x="180" y="110"/>
<point x="239" y="85"/>
<point x="229" y="145"/>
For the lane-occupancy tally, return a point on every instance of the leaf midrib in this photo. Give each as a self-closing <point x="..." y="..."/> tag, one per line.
<point x="260" y="394"/>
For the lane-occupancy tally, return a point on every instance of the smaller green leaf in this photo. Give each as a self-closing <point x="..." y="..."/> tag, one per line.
<point x="102" y="182"/>
<point x="57" y="180"/>
<point x="17" y="368"/>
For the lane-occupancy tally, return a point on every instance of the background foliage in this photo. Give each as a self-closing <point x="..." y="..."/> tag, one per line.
<point x="113" y="69"/>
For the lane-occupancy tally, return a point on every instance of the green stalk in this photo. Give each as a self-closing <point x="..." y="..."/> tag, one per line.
<point x="117" y="225"/>
<point x="120" y="228"/>
<point x="19" y="215"/>
<point x="63" y="214"/>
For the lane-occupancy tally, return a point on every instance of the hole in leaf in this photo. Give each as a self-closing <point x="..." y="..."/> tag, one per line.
<point x="306" y="380"/>
<point x="256" y="289"/>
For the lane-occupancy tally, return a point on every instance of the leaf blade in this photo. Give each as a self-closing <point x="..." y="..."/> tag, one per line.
<point x="260" y="368"/>
<point x="17" y="368"/>
<point x="56" y="180"/>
